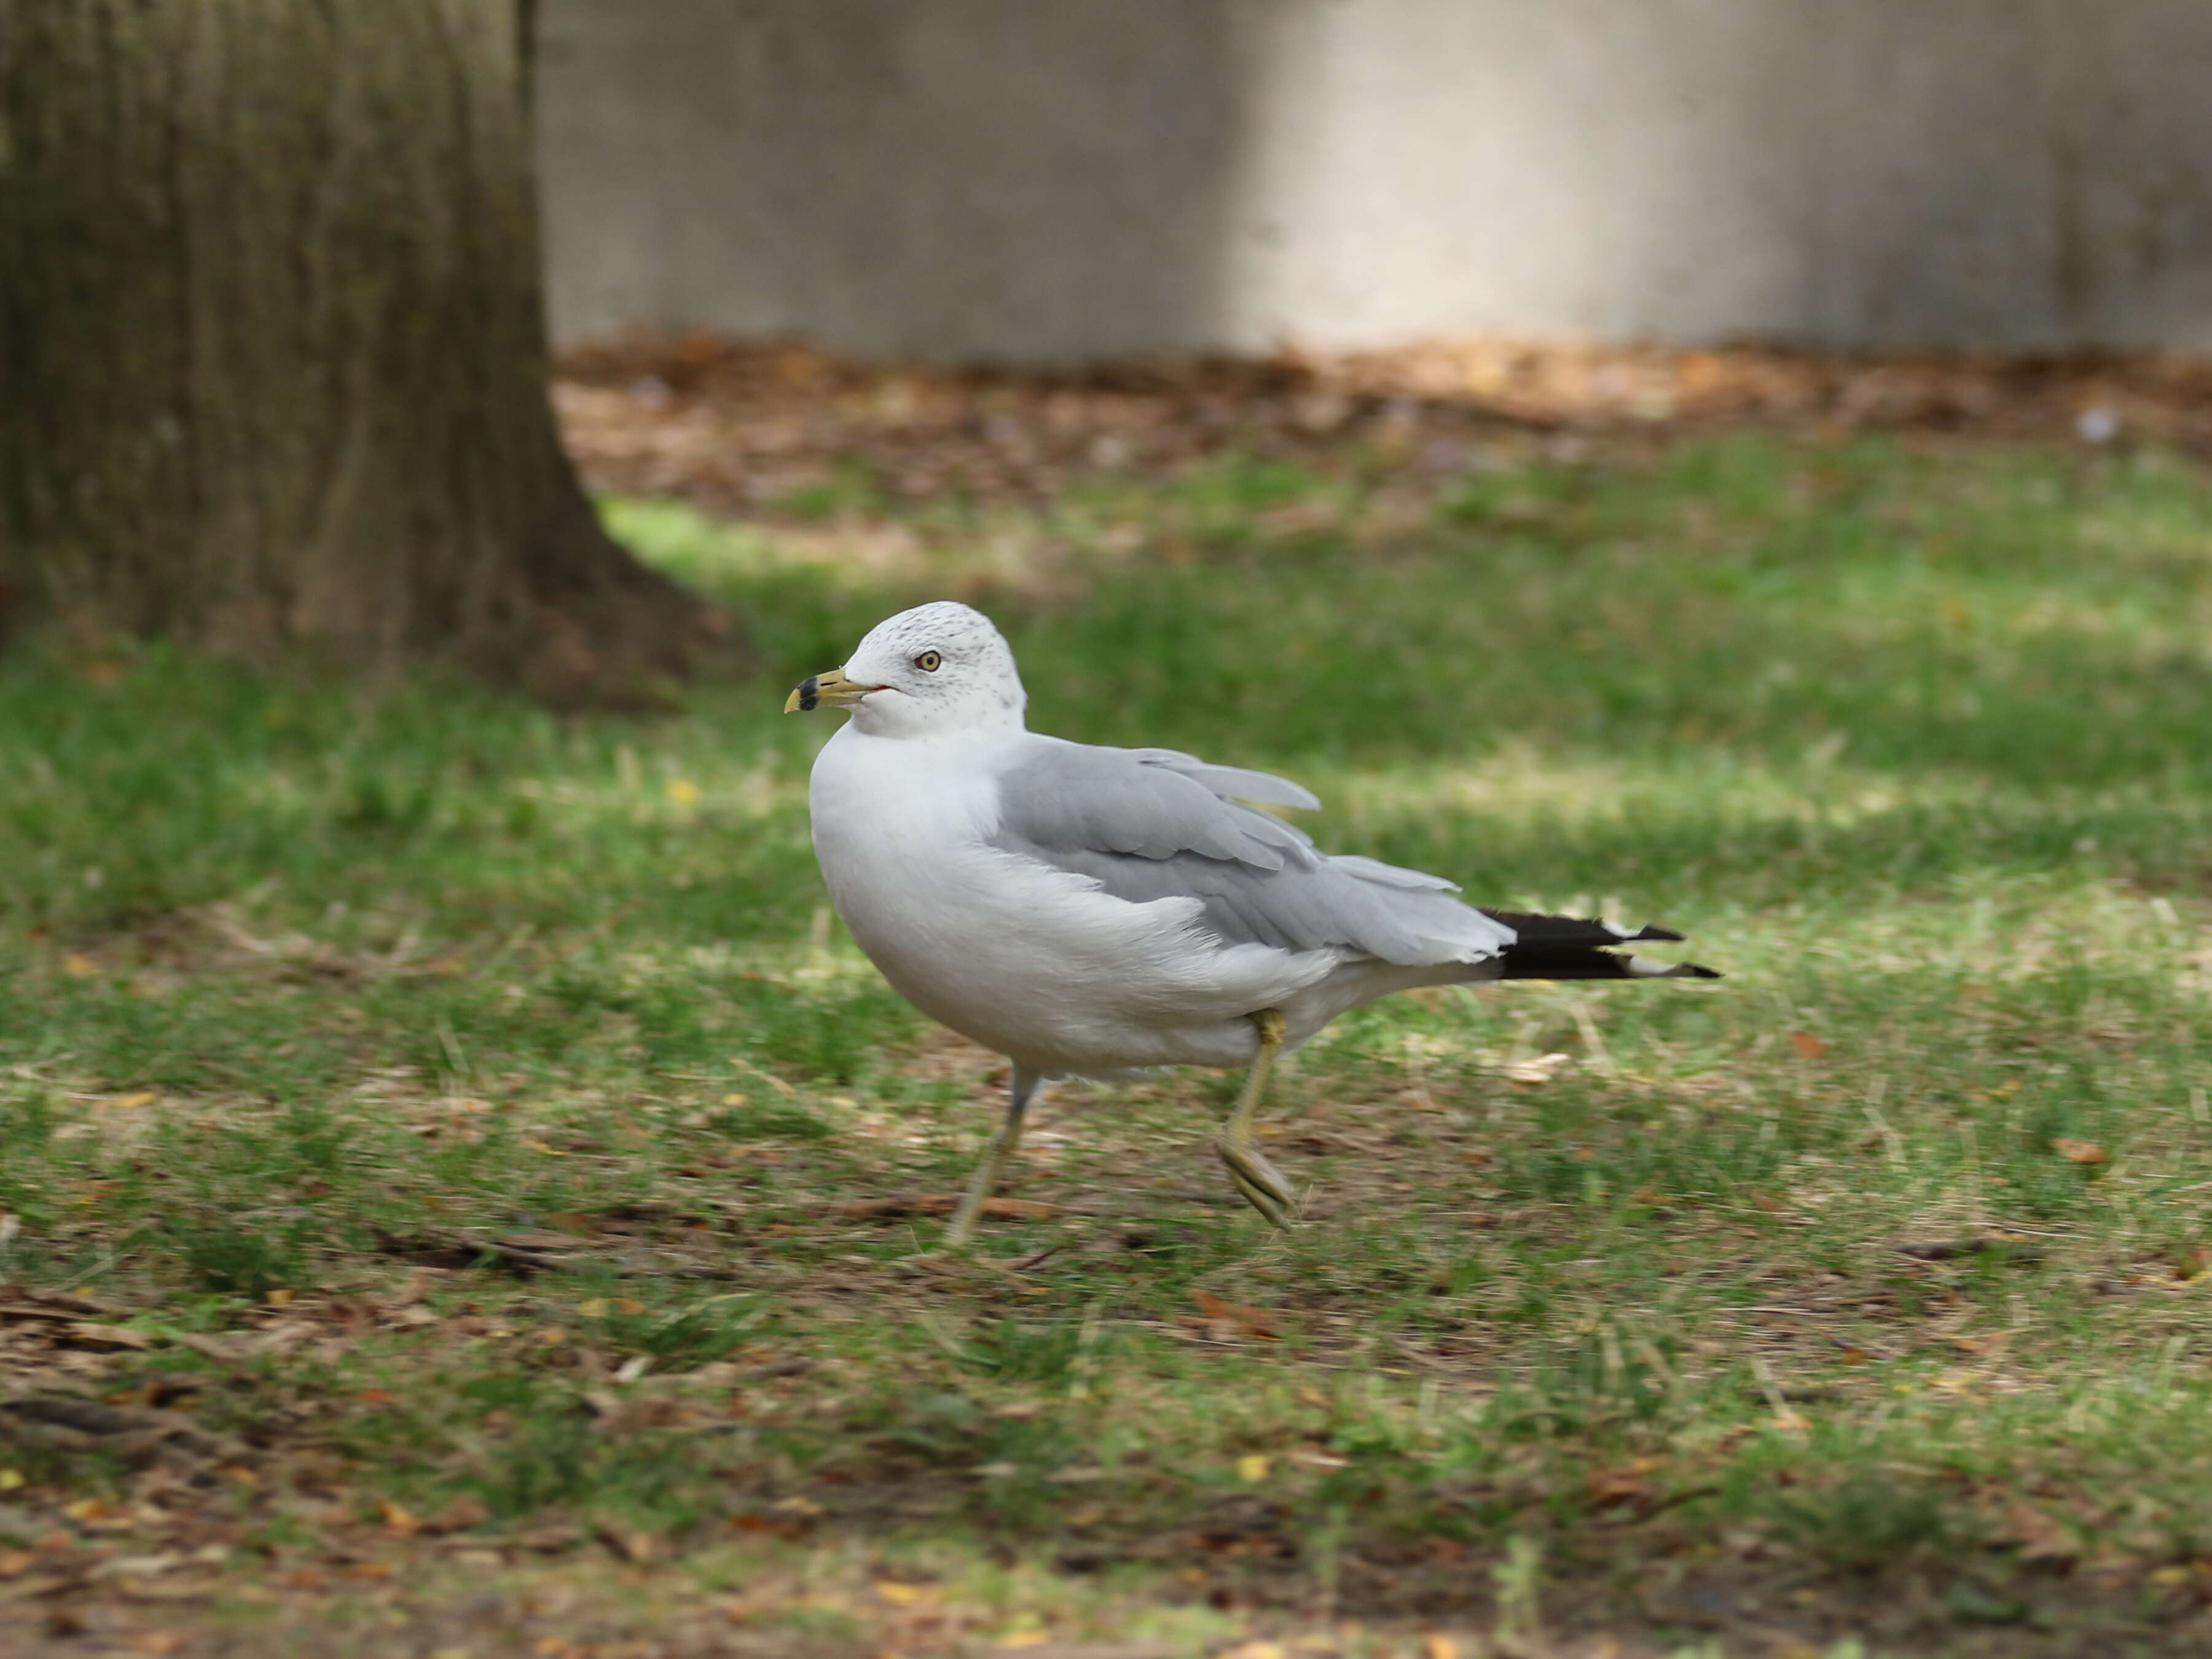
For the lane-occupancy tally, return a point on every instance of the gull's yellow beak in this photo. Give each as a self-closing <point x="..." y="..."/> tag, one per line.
<point x="827" y="690"/>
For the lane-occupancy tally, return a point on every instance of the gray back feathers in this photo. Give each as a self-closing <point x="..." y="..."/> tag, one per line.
<point x="1151" y="824"/>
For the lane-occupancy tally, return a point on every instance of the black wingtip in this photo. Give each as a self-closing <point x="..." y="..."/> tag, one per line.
<point x="1644" y="968"/>
<point x="1536" y="929"/>
<point x="1582" y="947"/>
<point x="1563" y="961"/>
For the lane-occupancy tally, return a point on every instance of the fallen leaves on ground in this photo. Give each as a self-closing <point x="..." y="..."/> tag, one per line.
<point x="2038" y="1535"/>
<point x="1228" y="1319"/>
<point x="752" y="425"/>
<point x="2079" y="1152"/>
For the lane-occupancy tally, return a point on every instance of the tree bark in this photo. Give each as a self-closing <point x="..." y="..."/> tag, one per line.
<point x="272" y="349"/>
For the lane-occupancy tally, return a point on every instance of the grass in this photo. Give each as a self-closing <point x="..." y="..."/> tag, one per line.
<point x="471" y="1116"/>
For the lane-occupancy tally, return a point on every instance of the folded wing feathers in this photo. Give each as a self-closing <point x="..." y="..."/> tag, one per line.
<point x="1068" y="795"/>
<point x="1153" y="824"/>
<point x="1390" y="875"/>
<point x="1232" y="782"/>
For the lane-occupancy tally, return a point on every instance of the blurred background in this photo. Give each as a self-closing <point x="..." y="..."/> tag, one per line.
<point x="991" y="179"/>
<point x="991" y="242"/>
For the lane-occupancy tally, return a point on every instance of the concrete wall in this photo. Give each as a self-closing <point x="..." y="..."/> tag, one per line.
<point x="1061" y="179"/>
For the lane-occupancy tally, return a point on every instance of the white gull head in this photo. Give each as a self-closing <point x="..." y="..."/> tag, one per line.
<point x="935" y="670"/>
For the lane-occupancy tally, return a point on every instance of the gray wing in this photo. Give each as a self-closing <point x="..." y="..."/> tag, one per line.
<point x="1231" y="783"/>
<point x="1151" y="824"/>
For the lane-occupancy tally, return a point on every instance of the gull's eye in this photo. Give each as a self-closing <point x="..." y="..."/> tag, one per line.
<point x="928" y="662"/>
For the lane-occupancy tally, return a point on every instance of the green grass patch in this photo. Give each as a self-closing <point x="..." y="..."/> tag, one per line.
<point x="483" y="1115"/>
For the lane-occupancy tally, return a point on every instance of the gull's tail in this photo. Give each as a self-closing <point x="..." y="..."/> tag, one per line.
<point x="1569" y="947"/>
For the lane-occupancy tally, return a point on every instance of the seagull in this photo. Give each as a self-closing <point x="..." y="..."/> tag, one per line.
<point x="1095" y="912"/>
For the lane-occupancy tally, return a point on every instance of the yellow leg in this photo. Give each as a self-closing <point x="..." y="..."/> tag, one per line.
<point x="1260" y="1182"/>
<point x="1019" y="1088"/>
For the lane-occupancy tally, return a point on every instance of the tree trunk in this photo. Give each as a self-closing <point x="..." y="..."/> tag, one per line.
<point x="272" y="347"/>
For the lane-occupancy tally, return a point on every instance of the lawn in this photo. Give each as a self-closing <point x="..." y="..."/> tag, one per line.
<point x="460" y="1190"/>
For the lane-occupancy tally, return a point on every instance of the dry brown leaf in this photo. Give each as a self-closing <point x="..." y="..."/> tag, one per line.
<point x="638" y="1548"/>
<point x="1237" y="1317"/>
<point x="779" y="1526"/>
<point x="1624" y="1485"/>
<point x="2039" y="1535"/>
<point x="459" y="1514"/>
<point x="25" y="1311"/>
<point x="1808" y="1046"/>
<point x="2079" y="1152"/>
<point x="109" y="1336"/>
<point x="225" y="1350"/>
<point x="398" y="1518"/>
